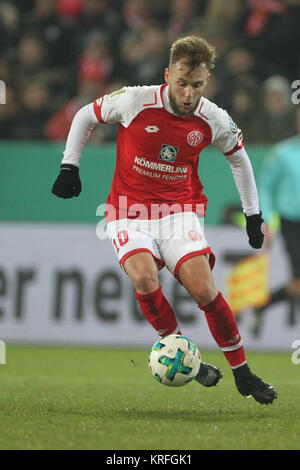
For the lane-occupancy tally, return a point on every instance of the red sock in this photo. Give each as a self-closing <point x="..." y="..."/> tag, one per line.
<point x="157" y="310"/>
<point x="224" y="330"/>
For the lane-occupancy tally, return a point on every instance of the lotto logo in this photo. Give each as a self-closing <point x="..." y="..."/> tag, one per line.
<point x="151" y="129"/>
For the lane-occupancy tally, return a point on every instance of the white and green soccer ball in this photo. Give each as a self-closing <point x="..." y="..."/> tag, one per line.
<point x="174" y="360"/>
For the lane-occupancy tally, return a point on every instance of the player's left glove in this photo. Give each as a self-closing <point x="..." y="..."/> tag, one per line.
<point x="255" y="229"/>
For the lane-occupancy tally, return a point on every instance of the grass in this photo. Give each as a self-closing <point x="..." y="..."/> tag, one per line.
<point x="89" y="398"/>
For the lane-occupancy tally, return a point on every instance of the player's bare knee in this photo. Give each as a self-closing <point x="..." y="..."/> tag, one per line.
<point x="145" y="282"/>
<point x="142" y="272"/>
<point x="205" y="292"/>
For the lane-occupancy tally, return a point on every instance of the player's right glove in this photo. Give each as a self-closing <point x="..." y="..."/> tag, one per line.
<point x="255" y="230"/>
<point x="68" y="183"/>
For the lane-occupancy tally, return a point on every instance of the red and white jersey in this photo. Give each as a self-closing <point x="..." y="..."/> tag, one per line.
<point x="158" y="151"/>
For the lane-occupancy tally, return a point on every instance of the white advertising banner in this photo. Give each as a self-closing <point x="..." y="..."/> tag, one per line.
<point x="60" y="284"/>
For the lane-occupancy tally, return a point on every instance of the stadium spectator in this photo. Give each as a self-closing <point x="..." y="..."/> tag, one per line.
<point x="59" y="124"/>
<point x="31" y="57"/>
<point x="181" y="14"/>
<point x="70" y="9"/>
<point x="271" y="28"/>
<point x="244" y="110"/>
<point x="97" y="15"/>
<point x="96" y="62"/>
<point x="33" y="111"/>
<point x="280" y="193"/>
<point x="32" y="64"/>
<point x="137" y="14"/>
<point x="153" y="57"/>
<point x="239" y="65"/>
<point x="277" y="118"/>
<point x="130" y="54"/>
<point x="219" y="35"/>
<point x="218" y="12"/>
<point x="9" y="27"/>
<point x="46" y="40"/>
<point x="45" y="22"/>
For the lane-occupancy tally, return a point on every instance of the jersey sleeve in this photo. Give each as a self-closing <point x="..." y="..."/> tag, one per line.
<point x="117" y="106"/>
<point x="110" y="108"/>
<point x="227" y="136"/>
<point x="243" y="175"/>
<point x="82" y="126"/>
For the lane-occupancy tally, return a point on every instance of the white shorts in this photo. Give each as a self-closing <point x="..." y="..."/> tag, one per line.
<point x="171" y="240"/>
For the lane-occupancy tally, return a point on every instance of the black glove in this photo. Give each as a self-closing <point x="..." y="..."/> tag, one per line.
<point x="255" y="230"/>
<point x="68" y="183"/>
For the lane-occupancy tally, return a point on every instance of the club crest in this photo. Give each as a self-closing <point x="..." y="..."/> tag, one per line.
<point x="194" y="138"/>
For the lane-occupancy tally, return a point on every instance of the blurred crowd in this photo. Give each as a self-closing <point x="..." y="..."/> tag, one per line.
<point x="58" y="55"/>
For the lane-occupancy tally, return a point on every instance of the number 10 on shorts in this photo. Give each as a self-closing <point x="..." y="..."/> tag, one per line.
<point x="121" y="240"/>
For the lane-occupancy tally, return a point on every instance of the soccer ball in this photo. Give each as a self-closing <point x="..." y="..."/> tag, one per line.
<point x="174" y="360"/>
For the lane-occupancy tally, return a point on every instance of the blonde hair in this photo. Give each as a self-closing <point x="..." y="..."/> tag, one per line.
<point x="194" y="52"/>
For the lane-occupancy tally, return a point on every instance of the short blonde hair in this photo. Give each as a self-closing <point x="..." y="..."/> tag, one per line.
<point x="193" y="51"/>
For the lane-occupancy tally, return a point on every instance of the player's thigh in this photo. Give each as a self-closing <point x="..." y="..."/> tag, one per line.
<point x="183" y="238"/>
<point x="188" y="256"/>
<point x="137" y="252"/>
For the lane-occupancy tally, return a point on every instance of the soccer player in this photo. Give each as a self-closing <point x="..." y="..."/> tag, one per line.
<point x="156" y="202"/>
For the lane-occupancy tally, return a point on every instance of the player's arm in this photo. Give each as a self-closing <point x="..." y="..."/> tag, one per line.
<point x="107" y="109"/>
<point x="243" y="175"/>
<point x="228" y="138"/>
<point x="67" y="183"/>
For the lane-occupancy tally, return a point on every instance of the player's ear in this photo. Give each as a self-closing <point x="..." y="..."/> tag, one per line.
<point x="206" y="81"/>
<point x="167" y="73"/>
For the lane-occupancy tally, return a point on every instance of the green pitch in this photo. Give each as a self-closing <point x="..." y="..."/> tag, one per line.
<point x="85" y="398"/>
